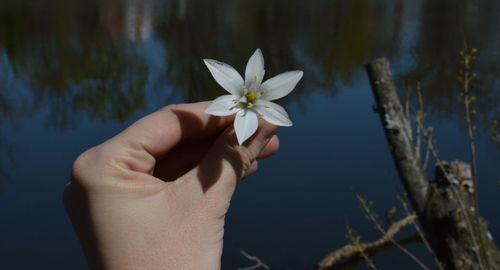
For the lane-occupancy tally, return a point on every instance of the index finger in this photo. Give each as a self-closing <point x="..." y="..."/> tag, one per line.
<point x="160" y="131"/>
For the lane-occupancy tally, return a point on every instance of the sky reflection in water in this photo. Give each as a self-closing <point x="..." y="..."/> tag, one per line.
<point x="72" y="74"/>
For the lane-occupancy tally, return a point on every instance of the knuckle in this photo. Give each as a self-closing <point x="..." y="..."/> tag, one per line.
<point x="170" y="108"/>
<point x="84" y="169"/>
<point x="82" y="163"/>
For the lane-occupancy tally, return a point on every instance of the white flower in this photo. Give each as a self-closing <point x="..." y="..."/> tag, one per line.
<point x="251" y="97"/>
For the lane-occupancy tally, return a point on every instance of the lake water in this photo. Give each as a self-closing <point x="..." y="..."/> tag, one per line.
<point x="74" y="73"/>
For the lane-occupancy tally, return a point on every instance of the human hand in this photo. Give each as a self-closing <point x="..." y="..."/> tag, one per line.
<point x="155" y="196"/>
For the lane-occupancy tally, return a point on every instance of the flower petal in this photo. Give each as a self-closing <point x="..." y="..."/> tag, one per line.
<point x="281" y="85"/>
<point x="254" y="71"/>
<point x="223" y="106"/>
<point x="245" y="125"/>
<point x="226" y="76"/>
<point x="273" y="113"/>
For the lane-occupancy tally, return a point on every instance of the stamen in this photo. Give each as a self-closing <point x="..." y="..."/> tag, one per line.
<point x="251" y="96"/>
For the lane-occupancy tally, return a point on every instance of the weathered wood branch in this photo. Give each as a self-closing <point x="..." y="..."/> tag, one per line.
<point x="357" y="261"/>
<point x="398" y="133"/>
<point x="353" y="249"/>
<point x="445" y="207"/>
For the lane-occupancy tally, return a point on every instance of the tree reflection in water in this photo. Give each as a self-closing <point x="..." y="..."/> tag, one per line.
<point x="444" y="30"/>
<point x="10" y="107"/>
<point x="79" y="57"/>
<point x="84" y="58"/>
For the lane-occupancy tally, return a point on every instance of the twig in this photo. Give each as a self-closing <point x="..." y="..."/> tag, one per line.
<point x="367" y="208"/>
<point x="427" y="153"/>
<point x="258" y="262"/>
<point x="407" y="106"/>
<point x="408" y="114"/>
<point x="420" y="233"/>
<point x="466" y="78"/>
<point x="495" y="132"/>
<point x="431" y="151"/>
<point x="356" y="247"/>
<point x="351" y="235"/>
<point x="409" y="168"/>
<point x="419" y="121"/>
<point x="470" y="226"/>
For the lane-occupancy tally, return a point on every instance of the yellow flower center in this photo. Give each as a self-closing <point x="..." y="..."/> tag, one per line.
<point x="251" y="96"/>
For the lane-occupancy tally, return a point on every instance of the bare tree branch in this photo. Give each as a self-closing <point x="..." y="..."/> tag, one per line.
<point x="398" y="132"/>
<point x="258" y="262"/>
<point x="353" y="249"/>
<point x="444" y="206"/>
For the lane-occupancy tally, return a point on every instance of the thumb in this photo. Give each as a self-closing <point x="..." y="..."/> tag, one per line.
<point x="227" y="161"/>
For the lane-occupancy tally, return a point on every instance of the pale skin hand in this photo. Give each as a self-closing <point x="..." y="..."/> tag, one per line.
<point x="155" y="196"/>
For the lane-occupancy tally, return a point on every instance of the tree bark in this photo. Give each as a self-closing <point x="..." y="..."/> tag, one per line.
<point x="445" y="206"/>
<point x="398" y="132"/>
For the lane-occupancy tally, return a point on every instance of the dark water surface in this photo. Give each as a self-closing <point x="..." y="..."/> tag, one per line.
<point x="75" y="73"/>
